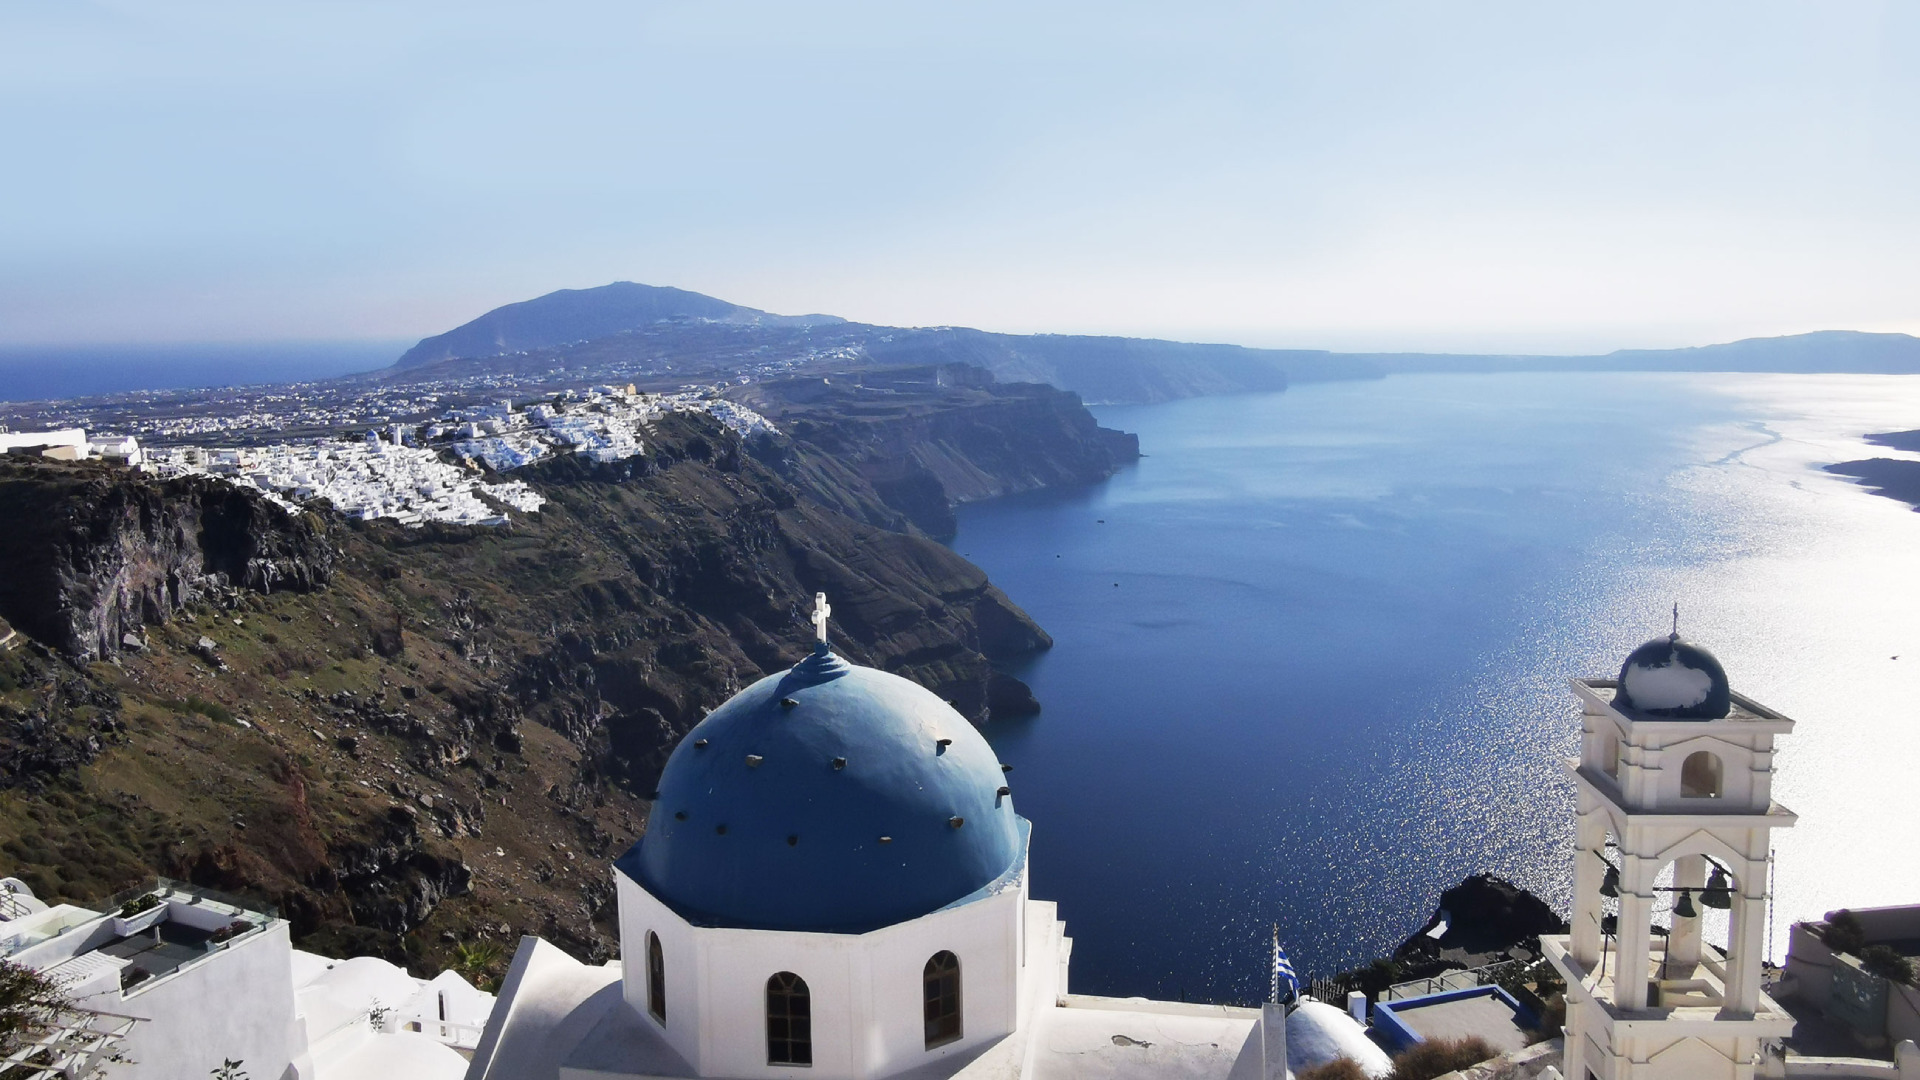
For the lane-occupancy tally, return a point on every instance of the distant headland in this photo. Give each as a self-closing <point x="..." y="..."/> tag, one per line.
<point x="1896" y="478"/>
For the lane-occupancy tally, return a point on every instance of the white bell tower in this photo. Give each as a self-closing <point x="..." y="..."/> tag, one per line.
<point x="1674" y="769"/>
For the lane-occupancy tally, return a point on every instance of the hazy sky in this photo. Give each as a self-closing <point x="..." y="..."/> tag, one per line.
<point x="1549" y="176"/>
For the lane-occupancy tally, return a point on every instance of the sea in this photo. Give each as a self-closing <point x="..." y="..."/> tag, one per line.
<point x="47" y="372"/>
<point x="1312" y="651"/>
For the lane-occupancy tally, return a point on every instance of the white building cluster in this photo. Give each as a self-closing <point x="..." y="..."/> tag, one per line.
<point x="606" y="424"/>
<point x="394" y="474"/>
<point x="374" y="479"/>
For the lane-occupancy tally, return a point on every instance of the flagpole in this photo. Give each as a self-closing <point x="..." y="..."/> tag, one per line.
<point x="1274" y="993"/>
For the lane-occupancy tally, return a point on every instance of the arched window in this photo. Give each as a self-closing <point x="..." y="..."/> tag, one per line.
<point x="940" y="982"/>
<point x="656" y="978"/>
<point x="789" y="1021"/>
<point x="1700" y="776"/>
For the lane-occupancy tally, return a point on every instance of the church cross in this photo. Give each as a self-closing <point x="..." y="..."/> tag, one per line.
<point x="820" y="612"/>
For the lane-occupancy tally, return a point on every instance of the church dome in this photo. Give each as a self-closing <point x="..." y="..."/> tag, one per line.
<point x="1671" y="678"/>
<point x="828" y="797"/>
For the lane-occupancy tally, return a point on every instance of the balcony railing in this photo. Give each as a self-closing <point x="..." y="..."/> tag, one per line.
<point x="76" y="1045"/>
<point x="1671" y="983"/>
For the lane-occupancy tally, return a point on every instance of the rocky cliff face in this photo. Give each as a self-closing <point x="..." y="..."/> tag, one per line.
<point x="94" y="555"/>
<point x="413" y="738"/>
<point x="925" y="439"/>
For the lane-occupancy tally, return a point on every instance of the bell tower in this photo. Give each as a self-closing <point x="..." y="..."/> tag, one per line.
<point x="1675" y="769"/>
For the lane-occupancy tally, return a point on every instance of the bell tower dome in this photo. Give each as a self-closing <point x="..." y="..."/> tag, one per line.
<point x="1675" y="769"/>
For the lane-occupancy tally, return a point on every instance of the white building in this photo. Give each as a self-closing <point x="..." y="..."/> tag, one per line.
<point x="72" y="444"/>
<point x="66" y="444"/>
<point x="182" y="979"/>
<point x="1675" y="769"/>
<point x="835" y="884"/>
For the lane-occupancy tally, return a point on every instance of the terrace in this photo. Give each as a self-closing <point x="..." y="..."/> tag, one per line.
<point x="150" y="934"/>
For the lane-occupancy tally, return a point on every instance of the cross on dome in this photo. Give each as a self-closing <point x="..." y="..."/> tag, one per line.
<point x="820" y="612"/>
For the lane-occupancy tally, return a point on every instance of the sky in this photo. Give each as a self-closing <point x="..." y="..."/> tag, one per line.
<point x="1383" y="175"/>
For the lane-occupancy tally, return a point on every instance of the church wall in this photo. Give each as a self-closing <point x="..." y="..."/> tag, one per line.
<point x="640" y="913"/>
<point x="865" y="989"/>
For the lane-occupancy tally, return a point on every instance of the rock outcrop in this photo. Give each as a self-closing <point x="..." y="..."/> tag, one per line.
<point x="1486" y="918"/>
<point x="94" y="555"/>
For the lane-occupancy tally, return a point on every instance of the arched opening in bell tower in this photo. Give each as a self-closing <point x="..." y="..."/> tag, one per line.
<point x="1701" y="776"/>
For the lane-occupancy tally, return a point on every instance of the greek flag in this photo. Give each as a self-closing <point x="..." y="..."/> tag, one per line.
<point x="1283" y="976"/>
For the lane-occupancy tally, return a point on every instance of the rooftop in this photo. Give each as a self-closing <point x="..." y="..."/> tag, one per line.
<point x="1485" y="1012"/>
<point x="144" y="936"/>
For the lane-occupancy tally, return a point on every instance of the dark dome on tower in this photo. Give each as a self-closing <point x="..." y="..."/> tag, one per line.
<point x="1674" y="679"/>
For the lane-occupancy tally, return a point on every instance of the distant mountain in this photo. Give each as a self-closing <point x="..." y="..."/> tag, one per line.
<point x="683" y="336"/>
<point x="1115" y="369"/>
<point x="1818" y="353"/>
<point x="1823" y="352"/>
<point x="670" y="336"/>
<point x="571" y="315"/>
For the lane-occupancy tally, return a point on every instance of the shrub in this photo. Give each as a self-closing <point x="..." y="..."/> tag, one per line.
<point x="1438" y="1057"/>
<point x="28" y="1003"/>
<point x="1337" y="1069"/>
<point x="478" y="962"/>
<point x="212" y="710"/>
<point x="143" y="902"/>
<point x="1883" y="961"/>
<point x="1552" y="1018"/>
<point x="1844" y="932"/>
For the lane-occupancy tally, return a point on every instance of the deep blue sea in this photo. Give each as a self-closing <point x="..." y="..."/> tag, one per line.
<point x="42" y="372"/>
<point x="1312" y="651"/>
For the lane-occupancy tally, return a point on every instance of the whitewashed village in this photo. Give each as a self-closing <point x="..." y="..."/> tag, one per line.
<point x="837" y="885"/>
<point x="413" y="474"/>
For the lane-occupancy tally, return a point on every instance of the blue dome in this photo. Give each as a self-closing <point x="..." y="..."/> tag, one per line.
<point x="826" y="798"/>
<point x="1675" y="680"/>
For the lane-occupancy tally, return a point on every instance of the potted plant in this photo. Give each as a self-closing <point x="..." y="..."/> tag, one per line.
<point x="230" y="931"/>
<point x="138" y="914"/>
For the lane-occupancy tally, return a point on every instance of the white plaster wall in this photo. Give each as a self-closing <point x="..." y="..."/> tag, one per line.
<point x="640" y="913"/>
<point x="865" y="989"/>
<point x="62" y="437"/>
<point x="1740" y="790"/>
<point x="236" y="1003"/>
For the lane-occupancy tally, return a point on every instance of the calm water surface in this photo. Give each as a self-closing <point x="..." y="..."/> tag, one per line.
<point x="1312" y="650"/>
